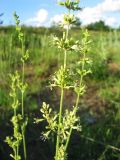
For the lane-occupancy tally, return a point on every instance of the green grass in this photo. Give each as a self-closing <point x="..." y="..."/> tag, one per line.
<point x="102" y="98"/>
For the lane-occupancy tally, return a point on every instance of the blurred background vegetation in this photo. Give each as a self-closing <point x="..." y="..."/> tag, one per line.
<point x="99" y="107"/>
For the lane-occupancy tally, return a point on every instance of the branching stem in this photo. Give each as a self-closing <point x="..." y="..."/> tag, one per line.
<point x="77" y="100"/>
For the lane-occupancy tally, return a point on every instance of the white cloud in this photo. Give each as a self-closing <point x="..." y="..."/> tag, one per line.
<point x="87" y="15"/>
<point x="94" y="14"/>
<point x="110" y="6"/>
<point x="56" y="19"/>
<point x="39" y="19"/>
<point x="110" y="21"/>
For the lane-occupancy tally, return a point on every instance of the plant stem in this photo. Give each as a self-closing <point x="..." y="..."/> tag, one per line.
<point x="77" y="100"/>
<point x="61" y="99"/>
<point x="59" y="125"/>
<point x="24" y="146"/>
<point x="65" y="59"/>
<point x="22" y="104"/>
<point x="14" y="108"/>
<point x="76" y="106"/>
<point x="61" y="102"/>
<point x="23" y="75"/>
<point x="17" y="150"/>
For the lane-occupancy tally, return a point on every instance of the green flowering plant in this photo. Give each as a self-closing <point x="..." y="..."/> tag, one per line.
<point x="22" y="84"/>
<point x="70" y="5"/>
<point x="63" y="123"/>
<point x="62" y="78"/>
<point x="66" y="44"/>
<point x="15" y="140"/>
<point x="50" y="118"/>
<point x="18" y="85"/>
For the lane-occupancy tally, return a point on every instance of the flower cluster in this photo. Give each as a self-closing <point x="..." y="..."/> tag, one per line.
<point x="50" y="118"/>
<point x="18" y="28"/>
<point x="15" y="140"/>
<point x="66" y="44"/>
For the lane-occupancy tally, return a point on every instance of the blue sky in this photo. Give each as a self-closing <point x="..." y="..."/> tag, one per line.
<point x="44" y="12"/>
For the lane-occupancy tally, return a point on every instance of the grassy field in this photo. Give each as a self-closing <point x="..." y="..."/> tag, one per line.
<point x="99" y="107"/>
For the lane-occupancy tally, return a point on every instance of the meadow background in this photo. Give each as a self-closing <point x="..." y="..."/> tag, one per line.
<point x="99" y="107"/>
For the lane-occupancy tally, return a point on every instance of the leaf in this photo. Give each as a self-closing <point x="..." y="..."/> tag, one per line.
<point x="38" y="120"/>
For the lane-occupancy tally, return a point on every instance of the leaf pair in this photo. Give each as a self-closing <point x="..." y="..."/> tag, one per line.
<point x="71" y="5"/>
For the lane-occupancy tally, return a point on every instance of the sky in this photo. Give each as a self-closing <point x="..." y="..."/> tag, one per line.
<point x="45" y="12"/>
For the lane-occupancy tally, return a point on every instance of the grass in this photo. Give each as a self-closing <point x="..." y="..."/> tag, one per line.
<point x="99" y="107"/>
